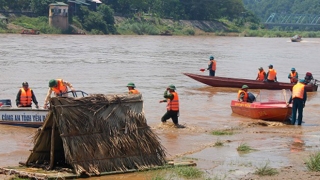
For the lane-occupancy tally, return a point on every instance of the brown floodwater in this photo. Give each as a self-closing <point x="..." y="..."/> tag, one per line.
<point x="105" y="64"/>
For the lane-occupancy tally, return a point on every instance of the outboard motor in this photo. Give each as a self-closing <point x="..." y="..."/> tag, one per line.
<point x="5" y="103"/>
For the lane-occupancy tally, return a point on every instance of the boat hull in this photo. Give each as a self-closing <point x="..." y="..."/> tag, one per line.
<point x="265" y="111"/>
<point x="23" y="116"/>
<point x="216" y="81"/>
<point x="296" y="40"/>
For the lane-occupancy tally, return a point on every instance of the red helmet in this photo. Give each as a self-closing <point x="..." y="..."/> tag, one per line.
<point x="308" y="74"/>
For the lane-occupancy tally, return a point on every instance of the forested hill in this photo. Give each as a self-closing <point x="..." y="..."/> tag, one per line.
<point x="264" y="8"/>
<point x="175" y="9"/>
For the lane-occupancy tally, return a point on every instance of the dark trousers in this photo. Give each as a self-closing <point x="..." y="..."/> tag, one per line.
<point x="297" y="104"/>
<point x="170" y="114"/>
<point x="212" y="73"/>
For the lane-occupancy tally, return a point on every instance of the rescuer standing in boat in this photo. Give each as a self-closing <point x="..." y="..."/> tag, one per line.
<point x="131" y="87"/>
<point x="58" y="86"/>
<point x="212" y="66"/>
<point x="172" y="100"/>
<point x="25" y="96"/>
<point x="293" y="76"/>
<point x="261" y="75"/>
<point x="271" y="74"/>
<point x="298" y="99"/>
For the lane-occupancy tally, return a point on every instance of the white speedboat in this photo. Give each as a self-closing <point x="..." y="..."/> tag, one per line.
<point x="27" y="117"/>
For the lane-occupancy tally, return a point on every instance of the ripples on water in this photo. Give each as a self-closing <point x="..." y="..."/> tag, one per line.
<point x="105" y="64"/>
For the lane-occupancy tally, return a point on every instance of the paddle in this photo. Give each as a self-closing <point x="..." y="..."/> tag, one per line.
<point x="203" y="69"/>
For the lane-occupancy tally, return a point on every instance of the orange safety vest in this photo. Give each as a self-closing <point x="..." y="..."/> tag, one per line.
<point x="214" y="65"/>
<point x="261" y="76"/>
<point x="60" y="88"/>
<point x="25" y="97"/>
<point x="133" y="91"/>
<point x="272" y="74"/>
<point x="293" y="78"/>
<point x="173" y="105"/>
<point x="298" y="91"/>
<point x="245" y="97"/>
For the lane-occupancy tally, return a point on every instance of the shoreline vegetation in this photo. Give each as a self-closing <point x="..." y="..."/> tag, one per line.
<point x="148" y="25"/>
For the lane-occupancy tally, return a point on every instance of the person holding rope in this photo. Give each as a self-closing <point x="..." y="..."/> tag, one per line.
<point x="298" y="99"/>
<point x="172" y="100"/>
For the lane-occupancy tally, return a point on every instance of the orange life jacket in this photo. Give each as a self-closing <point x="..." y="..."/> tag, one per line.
<point x="293" y="78"/>
<point x="261" y="75"/>
<point x="173" y="105"/>
<point x="25" y="97"/>
<point x="298" y="91"/>
<point x="60" y="88"/>
<point x="214" y="65"/>
<point x="245" y="97"/>
<point x="272" y="74"/>
<point x="133" y="91"/>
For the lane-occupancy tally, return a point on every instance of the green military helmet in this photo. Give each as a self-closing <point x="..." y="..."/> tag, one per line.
<point x="172" y="87"/>
<point x="211" y="57"/>
<point x="53" y="83"/>
<point x="245" y="87"/>
<point x="25" y="84"/>
<point x="302" y="81"/>
<point x="131" y="84"/>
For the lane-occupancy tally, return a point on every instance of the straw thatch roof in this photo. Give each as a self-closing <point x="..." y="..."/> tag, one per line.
<point x="95" y="134"/>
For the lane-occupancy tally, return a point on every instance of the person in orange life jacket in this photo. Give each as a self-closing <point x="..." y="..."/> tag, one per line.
<point x="131" y="88"/>
<point x="271" y="74"/>
<point x="261" y="75"/>
<point x="25" y="96"/>
<point x="58" y="86"/>
<point x="298" y="99"/>
<point x="212" y="66"/>
<point x="243" y="94"/>
<point x="293" y="76"/>
<point x="172" y="100"/>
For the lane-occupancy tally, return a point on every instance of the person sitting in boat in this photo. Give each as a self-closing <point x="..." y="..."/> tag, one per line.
<point x="212" y="66"/>
<point x="59" y="87"/>
<point x="131" y="87"/>
<point x="243" y="94"/>
<point x="308" y="78"/>
<point x="25" y="96"/>
<point x="271" y="74"/>
<point x="261" y="75"/>
<point x="293" y="76"/>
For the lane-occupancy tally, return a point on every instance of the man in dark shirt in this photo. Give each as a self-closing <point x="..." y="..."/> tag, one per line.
<point x="25" y="96"/>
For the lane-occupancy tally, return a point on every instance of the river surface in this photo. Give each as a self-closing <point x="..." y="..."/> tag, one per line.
<point x="105" y="64"/>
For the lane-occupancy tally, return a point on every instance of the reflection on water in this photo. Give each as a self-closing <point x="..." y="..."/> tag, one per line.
<point x="297" y="144"/>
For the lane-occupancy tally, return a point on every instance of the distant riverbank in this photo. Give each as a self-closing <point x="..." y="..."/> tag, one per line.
<point x="148" y="25"/>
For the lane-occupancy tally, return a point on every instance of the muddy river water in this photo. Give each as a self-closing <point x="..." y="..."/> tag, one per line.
<point x="105" y="64"/>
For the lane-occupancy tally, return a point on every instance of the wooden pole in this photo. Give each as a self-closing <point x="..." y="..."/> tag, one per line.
<point x="52" y="145"/>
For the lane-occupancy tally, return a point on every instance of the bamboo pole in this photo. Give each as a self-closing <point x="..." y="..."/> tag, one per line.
<point x="52" y="145"/>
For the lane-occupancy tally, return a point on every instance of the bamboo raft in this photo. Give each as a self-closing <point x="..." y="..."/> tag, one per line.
<point x="40" y="174"/>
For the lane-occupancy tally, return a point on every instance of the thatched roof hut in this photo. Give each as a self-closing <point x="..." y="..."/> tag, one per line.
<point x="95" y="134"/>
